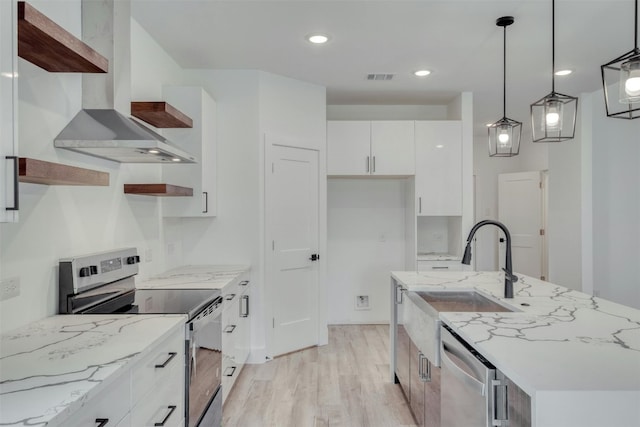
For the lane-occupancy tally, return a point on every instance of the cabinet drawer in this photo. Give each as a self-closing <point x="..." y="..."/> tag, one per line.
<point x="230" y="371"/>
<point x="163" y="361"/>
<point x="441" y="265"/>
<point x="162" y="405"/>
<point x="112" y="404"/>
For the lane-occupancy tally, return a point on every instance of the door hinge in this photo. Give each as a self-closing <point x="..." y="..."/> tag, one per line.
<point x="542" y="231"/>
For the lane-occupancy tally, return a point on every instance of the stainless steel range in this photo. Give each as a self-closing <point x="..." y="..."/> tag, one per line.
<point x="103" y="283"/>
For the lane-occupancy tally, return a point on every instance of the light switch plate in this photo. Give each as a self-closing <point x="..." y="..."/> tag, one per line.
<point x="9" y="288"/>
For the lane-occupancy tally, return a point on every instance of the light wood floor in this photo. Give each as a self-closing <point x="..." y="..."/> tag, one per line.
<point x="345" y="383"/>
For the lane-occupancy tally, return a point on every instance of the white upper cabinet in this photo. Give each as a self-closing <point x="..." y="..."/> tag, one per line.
<point x="200" y="140"/>
<point x="348" y="148"/>
<point x="359" y="148"/>
<point x="392" y="148"/>
<point x="8" y="113"/>
<point x="438" y="168"/>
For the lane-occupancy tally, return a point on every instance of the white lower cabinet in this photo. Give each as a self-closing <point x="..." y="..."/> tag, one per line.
<point x="150" y="393"/>
<point x="442" y="266"/>
<point x="236" y="332"/>
<point x="162" y="405"/>
<point x="107" y="408"/>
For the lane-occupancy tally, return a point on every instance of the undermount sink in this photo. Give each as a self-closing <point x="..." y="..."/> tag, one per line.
<point x="460" y="301"/>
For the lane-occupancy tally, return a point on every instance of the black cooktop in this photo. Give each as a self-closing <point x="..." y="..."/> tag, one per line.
<point x="173" y="301"/>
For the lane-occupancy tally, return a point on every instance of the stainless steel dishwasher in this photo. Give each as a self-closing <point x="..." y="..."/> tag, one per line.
<point x="471" y="393"/>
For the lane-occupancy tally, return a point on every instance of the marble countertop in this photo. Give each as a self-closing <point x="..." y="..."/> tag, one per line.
<point x="433" y="256"/>
<point x="559" y="341"/>
<point x="49" y="368"/>
<point x="195" y="277"/>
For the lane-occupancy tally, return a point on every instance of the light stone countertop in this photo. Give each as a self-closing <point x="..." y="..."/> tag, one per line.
<point x="50" y="368"/>
<point x="568" y="350"/>
<point x="432" y="256"/>
<point x="195" y="277"/>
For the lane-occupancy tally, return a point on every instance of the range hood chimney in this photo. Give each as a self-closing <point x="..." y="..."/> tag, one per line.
<point x="103" y="127"/>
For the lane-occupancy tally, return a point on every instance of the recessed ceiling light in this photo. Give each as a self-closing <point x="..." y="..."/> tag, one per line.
<point x="318" y="38"/>
<point x="489" y="124"/>
<point x="175" y="159"/>
<point x="422" y="73"/>
<point x="563" y="72"/>
<point x="153" y="151"/>
<point x="439" y="146"/>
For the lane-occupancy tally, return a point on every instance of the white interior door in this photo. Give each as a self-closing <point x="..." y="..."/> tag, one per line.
<point x="520" y="208"/>
<point x="292" y="237"/>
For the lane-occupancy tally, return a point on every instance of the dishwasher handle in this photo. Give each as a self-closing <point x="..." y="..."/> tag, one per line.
<point x="463" y="356"/>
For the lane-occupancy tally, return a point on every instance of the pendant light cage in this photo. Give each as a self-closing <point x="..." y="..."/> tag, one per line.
<point x="504" y="138"/>
<point x="621" y="86"/>
<point x="621" y="80"/>
<point x="505" y="134"/>
<point x="553" y="117"/>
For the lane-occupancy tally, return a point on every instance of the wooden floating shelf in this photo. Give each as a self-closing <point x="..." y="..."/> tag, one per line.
<point x="160" y="190"/>
<point x="161" y="115"/>
<point x="47" y="45"/>
<point x="40" y="172"/>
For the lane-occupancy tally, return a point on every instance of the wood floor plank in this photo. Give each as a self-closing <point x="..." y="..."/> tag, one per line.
<point x="342" y="384"/>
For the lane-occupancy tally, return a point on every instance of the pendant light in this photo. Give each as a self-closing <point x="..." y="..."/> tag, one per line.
<point x="553" y="118"/>
<point x="505" y="134"/>
<point x="621" y="81"/>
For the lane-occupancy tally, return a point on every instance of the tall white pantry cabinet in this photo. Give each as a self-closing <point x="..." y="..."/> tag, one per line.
<point x="8" y="112"/>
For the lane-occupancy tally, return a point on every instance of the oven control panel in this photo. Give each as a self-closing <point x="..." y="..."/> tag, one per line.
<point x="82" y="273"/>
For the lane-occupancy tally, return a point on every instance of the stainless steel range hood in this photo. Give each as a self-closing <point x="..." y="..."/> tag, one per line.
<point x="110" y="135"/>
<point x="102" y="128"/>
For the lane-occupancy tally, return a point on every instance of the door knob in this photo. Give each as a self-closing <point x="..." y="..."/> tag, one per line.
<point x="315" y="257"/>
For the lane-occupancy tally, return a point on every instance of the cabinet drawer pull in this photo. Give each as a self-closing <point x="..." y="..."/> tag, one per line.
<point x="420" y="204"/>
<point x="368" y="162"/>
<point x="230" y="374"/>
<point x="171" y="408"/>
<point x="244" y="283"/>
<point x="374" y="163"/>
<point x="101" y="422"/>
<point x="440" y="267"/>
<point x="16" y="188"/>
<point x="230" y="297"/>
<point x="206" y="201"/>
<point x="166" y="362"/>
<point x="244" y="308"/>
<point x="229" y="329"/>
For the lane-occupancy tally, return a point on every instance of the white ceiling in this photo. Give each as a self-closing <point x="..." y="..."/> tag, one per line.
<point x="458" y="40"/>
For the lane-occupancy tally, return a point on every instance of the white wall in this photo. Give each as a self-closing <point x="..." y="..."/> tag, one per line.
<point x="616" y="205"/>
<point x="387" y="112"/>
<point x="63" y="221"/>
<point x="564" y="224"/>
<point x="366" y="226"/>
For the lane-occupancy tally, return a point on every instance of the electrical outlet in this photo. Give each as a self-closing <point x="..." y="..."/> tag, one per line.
<point x="9" y="288"/>
<point x="362" y="302"/>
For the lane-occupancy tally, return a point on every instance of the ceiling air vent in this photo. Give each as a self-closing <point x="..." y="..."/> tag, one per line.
<point x="379" y="76"/>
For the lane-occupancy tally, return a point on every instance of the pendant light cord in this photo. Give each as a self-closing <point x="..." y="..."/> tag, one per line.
<point x="504" y="73"/>
<point x="553" y="45"/>
<point x="635" y="34"/>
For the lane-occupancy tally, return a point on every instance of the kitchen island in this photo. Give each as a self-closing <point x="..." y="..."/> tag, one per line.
<point x="576" y="356"/>
<point x="52" y="369"/>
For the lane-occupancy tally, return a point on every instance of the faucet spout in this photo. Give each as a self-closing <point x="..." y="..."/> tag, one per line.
<point x="509" y="277"/>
